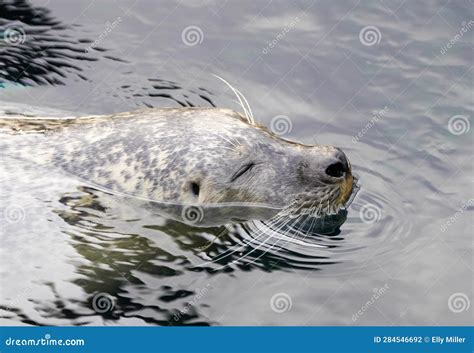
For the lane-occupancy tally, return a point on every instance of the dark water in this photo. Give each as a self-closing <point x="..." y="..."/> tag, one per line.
<point x="395" y="97"/>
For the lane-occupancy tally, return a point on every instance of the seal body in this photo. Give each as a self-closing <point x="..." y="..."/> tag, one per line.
<point x="184" y="155"/>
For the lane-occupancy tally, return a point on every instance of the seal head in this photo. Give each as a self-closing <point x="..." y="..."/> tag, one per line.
<point x="277" y="172"/>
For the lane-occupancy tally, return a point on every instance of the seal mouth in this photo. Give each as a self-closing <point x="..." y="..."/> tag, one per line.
<point x="330" y="200"/>
<point x="346" y="188"/>
<point x="351" y="194"/>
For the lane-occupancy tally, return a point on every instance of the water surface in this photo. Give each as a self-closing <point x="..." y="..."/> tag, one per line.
<point x="400" y="255"/>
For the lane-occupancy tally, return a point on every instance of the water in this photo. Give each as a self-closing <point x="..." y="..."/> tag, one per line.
<point x="401" y="255"/>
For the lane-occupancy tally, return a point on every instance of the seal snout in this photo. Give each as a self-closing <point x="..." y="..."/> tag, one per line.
<point x="338" y="167"/>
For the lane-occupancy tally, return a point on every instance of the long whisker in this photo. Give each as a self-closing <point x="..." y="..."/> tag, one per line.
<point x="298" y="230"/>
<point x="229" y="141"/>
<point x="257" y="234"/>
<point x="229" y="252"/>
<point x="248" y="106"/>
<point x="304" y="223"/>
<point x="260" y="245"/>
<point x="273" y="245"/>
<point x="247" y="114"/>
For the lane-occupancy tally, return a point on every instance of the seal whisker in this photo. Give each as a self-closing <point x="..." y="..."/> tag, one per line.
<point x="272" y="246"/>
<point x="309" y="215"/>
<point x="298" y="230"/>
<point x="250" y="117"/>
<point x="304" y="220"/>
<point x="236" y="92"/>
<point x="227" y="140"/>
<point x="237" y="248"/>
<point x="310" y="227"/>
<point x="236" y="142"/>
<point x="252" y="121"/>
<point x="260" y="232"/>
<point x="275" y="220"/>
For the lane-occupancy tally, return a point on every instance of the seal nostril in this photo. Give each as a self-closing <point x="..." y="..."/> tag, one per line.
<point x="195" y="188"/>
<point x="336" y="170"/>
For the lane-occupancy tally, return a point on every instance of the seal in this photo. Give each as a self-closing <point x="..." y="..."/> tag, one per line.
<point x="185" y="155"/>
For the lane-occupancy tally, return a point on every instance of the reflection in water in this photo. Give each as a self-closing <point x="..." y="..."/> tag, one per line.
<point x="114" y="258"/>
<point x="37" y="49"/>
<point x="146" y="262"/>
<point x="119" y="263"/>
<point x="245" y="244"/>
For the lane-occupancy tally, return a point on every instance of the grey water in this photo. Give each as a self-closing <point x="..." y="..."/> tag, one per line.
<point x="390" y="82"/>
